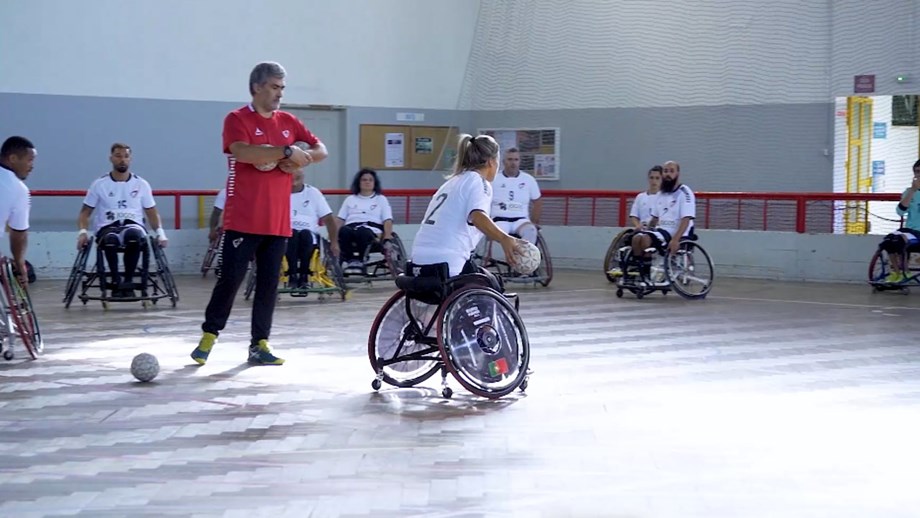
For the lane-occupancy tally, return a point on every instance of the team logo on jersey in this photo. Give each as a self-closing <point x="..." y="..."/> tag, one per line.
<point x="286" y="133"/>
<point x="521" y="185"/>
<point x="134" y="193"/>
<point x="306" y="202"/>
<point x="502" y="206"/>
<point x="109" y="215"/>
<point x="374" y="206"/>
<point x="259" y="132"/>
<point x="237" y="242"/>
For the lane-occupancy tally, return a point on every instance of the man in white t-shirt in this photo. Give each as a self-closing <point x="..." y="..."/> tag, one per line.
<point x="217" y="215"/>
<point x="119" y="202"/>
<point x="308" y="206"/>
<point x="17" y="157"/>
<point x="672" y="215"/>
<point x="513" y="193"/>
<point x="641" y="212"/>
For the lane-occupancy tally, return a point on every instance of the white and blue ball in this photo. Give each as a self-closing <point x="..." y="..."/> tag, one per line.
<point x="145" y="367"/>
<point x="527" y="257"/>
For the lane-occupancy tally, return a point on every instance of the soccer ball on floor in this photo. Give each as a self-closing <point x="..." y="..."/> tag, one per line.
<point x="145" y="367"/>
<point x="527" y="258"/>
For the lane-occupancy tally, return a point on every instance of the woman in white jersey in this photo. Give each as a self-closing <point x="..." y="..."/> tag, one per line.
<point x="365" y="216"/>
<point x="641" y="212"/>
<point x="458" y="214"/>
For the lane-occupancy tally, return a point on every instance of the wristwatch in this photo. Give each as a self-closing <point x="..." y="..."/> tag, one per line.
<point x="288" y="151"/>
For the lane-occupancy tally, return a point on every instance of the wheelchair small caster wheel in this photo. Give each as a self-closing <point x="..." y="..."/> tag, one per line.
<point x="523" y="386"/>
<point x="7" y="355"/>
<point x="639" y="295"/>
<point x="619" y="293"/>
<point x="447" y="392"/>
<point x="375" y="384"/>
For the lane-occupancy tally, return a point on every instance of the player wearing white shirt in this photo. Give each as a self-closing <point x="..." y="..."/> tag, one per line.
<point x="308" y="206"/>
<point x="641" y="212"/>
<point x="513" y="192"/>
<point x="119" y="202"/>
<point x="672" y="215"/>
<point x="17" y="157"/>
<point x="457" y="215"/>
<point x="217" y="212"/>
<point x="365" y="216"/>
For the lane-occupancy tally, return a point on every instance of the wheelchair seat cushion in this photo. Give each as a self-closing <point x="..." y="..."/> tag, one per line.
<point x="429" y="290"/>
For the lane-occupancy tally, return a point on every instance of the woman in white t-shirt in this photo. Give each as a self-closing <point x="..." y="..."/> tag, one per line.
<point x="458" y="214"/>
<point x="641" y="212"/>
<point x="365" y="216"/>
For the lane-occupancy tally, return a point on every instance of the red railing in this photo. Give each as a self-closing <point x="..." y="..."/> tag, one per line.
<point x="785" y="211"/>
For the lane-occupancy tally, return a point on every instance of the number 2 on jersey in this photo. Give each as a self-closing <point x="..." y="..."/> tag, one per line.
<point x="441" y="199"/>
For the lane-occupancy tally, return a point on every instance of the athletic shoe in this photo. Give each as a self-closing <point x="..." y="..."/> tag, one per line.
<point x="200" y="354"/>
<point x="261" y="353"/>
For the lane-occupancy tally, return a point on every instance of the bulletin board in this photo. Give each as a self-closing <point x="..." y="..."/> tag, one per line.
<point x="405" y="147"/>
<point x="539" y="148"/>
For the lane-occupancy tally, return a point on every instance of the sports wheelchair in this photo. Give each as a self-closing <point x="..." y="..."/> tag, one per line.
<point x="483" y="256"/>
<point x="689" y="272"/>
<point x="326" y="277"/>
<point x="153" y="286"/>
<point x="212" y="256"/>
<point x="880" y="269"/>
<point x="18" y="315"/>
<point x="380" y="261"/>
<point x="464" y="325"/>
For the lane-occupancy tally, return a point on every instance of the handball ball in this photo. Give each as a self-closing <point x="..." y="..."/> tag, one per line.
<point x="267" y="166"/>
<point x="145" y="367"/>
<point x="527" y="257"/>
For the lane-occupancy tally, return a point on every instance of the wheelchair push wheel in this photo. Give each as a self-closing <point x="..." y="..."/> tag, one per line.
<point x="690" y="271"/>
<point x="76" y="274"/>
<point x="400" y="347"/>
<point x="612" y="257"/>
<point x="19" y="312"/>
<point x="483" y="342"/>
<point x="544" y="273"/>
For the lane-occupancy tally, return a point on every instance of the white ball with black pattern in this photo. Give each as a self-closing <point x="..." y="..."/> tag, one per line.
<point x="527" y="257"/>
<point x="145" y="367"/>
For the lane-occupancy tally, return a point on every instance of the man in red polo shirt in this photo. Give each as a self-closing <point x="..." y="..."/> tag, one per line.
<point x="258" y="142"/>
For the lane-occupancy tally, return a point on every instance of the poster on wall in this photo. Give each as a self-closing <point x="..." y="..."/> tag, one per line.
<point x="539" y="148"/>
<point x="395" y="153"/>
<point x="424" y="145"/>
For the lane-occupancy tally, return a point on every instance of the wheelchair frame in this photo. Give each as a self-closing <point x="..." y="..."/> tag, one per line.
<point x="18" y="313"/>
<point x="881" y="262"/>
<point x="436" y="352"/>
<point x="390" y="266"/>
<point x="155" y="285"/>
<point x="326" y="277"/>
<point x="482" y="256"/>
<point x="675" y="275"/>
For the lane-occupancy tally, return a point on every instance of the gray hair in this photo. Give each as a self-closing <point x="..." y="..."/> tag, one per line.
<point x="474" y="152"/>
<point x="263" y="72"/>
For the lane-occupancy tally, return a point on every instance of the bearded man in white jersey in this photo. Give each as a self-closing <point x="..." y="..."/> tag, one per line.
<point x="119" y="202"/>
<point x="513" y="193"/>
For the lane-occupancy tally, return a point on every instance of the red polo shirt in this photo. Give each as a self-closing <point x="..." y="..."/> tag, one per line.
<point x="259" y="202"/>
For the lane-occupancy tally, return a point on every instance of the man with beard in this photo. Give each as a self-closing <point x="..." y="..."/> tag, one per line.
<point x="123" y="200"/>
<point x="672" y="217"/>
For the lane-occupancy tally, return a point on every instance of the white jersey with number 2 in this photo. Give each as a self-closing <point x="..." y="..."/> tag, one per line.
<point x="446" y="234"/>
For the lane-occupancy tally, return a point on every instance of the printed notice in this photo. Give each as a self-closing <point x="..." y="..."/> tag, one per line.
<point x="395" y="150"/>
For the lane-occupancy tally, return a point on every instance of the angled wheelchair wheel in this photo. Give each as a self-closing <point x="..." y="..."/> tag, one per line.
<point x="163" y="274"/>
<point x="22" y="320"/>
<point x="396" y="257"/>
<point x="211" y="256"/>
<point x="690" y="271"/>
<point x="76" y="274"/>
<point x="399" y="347"/>
<point x="545" y="270"/>
<point x="879" y="267"/>
<point x="612" y="258"/>
<point x="334" y="269"/>
<point x="250" y="281"/>
<point x="483" y="342"/>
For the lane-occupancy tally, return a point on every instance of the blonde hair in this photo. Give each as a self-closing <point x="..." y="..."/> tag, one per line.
<point x="474" y="153"/>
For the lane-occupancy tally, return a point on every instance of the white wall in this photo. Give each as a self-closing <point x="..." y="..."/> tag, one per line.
<point x="405" y="53"/>
<point x="762" y="255"/>
<point x="532" y="54"/>
<point x="880" y="37"/>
